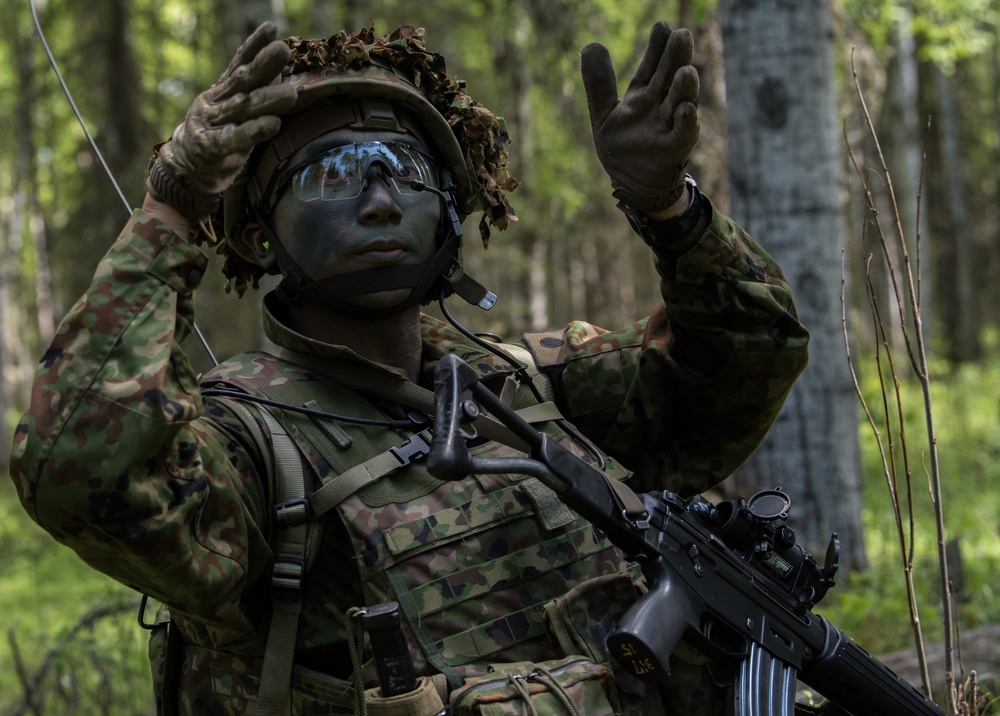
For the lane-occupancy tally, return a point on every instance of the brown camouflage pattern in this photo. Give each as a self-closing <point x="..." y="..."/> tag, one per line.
<point x="118" y="457"/>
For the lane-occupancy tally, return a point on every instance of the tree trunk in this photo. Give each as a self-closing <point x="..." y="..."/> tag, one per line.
<point x="784" y="174"/>
<point x="901" y="137"/>
<point x="26" y="181"/>
<point x="960" y="319"/>
<point x="511" y="59"/>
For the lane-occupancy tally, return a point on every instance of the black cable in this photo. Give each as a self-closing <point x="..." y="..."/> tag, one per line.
<point x="522" y="373"/>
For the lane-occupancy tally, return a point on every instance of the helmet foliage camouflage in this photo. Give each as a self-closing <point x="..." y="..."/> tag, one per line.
<point x="469" y="139"/>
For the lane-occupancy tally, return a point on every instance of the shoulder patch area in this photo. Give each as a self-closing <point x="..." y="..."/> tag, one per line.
<point x="549" y="348"/>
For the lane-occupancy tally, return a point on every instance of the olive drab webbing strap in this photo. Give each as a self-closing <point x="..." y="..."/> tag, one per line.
<point x="286" y="484"/>
<point x="539" y="379"/>
<point x="346" y="484"/>
<point x="287" y="574"/>
<point x="627" y="501"/>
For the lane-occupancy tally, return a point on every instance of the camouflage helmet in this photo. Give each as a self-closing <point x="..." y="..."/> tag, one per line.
<point x="468" y="138"/>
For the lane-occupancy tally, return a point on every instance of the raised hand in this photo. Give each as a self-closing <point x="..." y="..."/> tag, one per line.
<point x="209" y="148"/>
<point x="644" y="139"/>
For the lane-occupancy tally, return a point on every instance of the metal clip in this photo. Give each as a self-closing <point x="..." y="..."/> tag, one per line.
<point x="640" y="524"/>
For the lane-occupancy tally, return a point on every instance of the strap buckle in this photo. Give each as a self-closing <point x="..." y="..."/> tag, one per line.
<point x="287" y="575"/>
<point x="416" y="448"/>
<point x="293" y="512"/>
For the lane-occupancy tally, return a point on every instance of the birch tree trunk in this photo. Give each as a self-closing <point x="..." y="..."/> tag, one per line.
<point x="784" y="175"/>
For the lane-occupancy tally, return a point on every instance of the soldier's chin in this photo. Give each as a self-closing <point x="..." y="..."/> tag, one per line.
<point x="381" y="300"/>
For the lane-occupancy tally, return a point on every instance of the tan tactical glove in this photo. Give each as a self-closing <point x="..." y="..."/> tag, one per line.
<point x="208" y="149"/>
<point x="645" y="138"/>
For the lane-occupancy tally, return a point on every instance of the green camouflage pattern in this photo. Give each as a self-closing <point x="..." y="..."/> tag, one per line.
<point x="120" y="459"/>
<point x="559" y="687"/>
<point x="476" y="551"/>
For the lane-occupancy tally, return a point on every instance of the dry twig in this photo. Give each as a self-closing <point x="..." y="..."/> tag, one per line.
<point x="904" y="284"/>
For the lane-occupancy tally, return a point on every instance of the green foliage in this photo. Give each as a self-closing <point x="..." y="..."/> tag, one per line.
<point x="74" y="628"/>
<point x="947" y="32"/>
<point x="872" y="606"/>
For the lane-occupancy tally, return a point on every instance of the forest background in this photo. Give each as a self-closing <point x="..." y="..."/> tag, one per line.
<point x="133" y="67"/>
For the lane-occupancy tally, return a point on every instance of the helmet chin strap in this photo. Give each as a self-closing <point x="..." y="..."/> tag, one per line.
<point x="336" y="292"/>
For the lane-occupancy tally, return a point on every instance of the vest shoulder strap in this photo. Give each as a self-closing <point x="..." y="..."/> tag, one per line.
<point x="286" y="487"/>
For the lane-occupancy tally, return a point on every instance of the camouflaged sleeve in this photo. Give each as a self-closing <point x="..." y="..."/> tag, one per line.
<point x="113" y="457"/>
<point x="686" y="395"/>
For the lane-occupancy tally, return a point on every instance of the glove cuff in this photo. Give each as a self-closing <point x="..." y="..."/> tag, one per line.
<point x="162" y="186"/>
<point x="652" y="204"/>
<point x="649" y="204"/>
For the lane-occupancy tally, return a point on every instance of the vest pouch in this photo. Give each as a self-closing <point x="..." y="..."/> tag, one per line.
<point x="579" y="623"/>
<point x="318" y="694"/>
<point x="425" y="700"/>
<point x="573" y="686"/>
<point x="226" y="684"/>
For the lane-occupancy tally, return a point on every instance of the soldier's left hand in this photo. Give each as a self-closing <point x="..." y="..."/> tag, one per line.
<point x="644" y="139"/>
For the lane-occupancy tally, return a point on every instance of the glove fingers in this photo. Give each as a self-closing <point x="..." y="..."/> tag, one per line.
<point x="677" y="54"/>
<point x="684" y="88"/>
<point x="261" y="70"/>
<point x="685" y="128"/>
<point x="265" y="33"/>
<point x="241" y="138"/>
<point x="599" y="82"/>
<point x="658" y="40"/>
<point x="270" y="100"/>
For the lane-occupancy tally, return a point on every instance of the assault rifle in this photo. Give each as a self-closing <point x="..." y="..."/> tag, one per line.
<point x="728" y="577"/>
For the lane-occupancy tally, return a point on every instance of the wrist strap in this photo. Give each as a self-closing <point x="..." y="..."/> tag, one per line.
<point x="164" y="187"/>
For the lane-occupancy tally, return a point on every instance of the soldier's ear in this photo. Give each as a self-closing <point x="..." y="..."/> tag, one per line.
<point x="253" y="238"/>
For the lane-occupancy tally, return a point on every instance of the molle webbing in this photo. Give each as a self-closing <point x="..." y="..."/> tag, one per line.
<point x="491" y="637"/>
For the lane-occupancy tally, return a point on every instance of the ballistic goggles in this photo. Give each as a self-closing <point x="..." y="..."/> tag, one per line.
<point x="341" y="172"/>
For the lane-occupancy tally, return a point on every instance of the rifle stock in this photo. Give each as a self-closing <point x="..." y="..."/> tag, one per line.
<point x="728" y="577"/>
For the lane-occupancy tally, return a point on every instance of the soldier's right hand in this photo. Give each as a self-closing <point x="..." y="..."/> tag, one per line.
<point x="209" y="148"/>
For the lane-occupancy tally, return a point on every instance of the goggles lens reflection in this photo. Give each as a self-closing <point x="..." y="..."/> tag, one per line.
<point x="341" y="172"/>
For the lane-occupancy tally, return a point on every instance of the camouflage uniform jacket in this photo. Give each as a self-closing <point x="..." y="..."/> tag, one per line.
<point x="120" y="458"/>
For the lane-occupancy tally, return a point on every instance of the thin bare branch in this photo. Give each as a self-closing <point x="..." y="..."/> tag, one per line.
<point x="916" y="351"/>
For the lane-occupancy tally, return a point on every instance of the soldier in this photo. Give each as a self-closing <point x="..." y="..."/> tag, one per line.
<point x="269" y="501"/>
